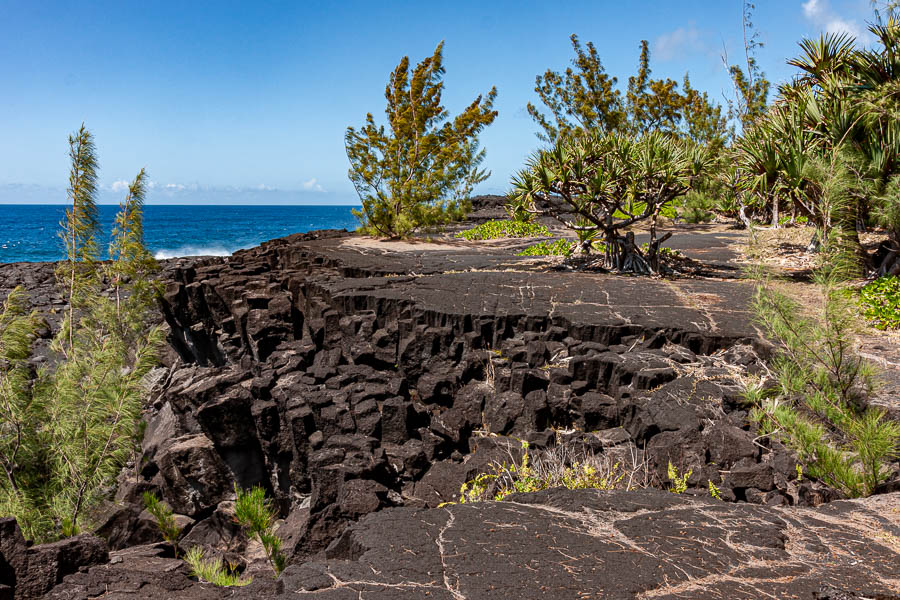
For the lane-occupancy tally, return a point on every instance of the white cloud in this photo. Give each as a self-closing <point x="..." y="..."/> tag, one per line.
<point x="313" y="185"/>
<point x="821" y="14"/>
<point x="174" y="187"/>
<point x="812" y="9"/>
<point x="675" y="44"/>
<point x="119" y="186"/>
<point x="264" y="188"/>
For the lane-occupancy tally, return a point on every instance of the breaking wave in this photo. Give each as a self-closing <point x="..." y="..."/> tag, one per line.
<point x="192" y="251"/>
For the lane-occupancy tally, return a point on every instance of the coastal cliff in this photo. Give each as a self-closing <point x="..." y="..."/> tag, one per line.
<point x="362" y="383"/>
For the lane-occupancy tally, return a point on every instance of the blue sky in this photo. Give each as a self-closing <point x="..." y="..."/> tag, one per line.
<point x="247" y="102"/>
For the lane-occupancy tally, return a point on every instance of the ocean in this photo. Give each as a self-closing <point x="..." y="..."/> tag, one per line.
<point x="29" y="232"/>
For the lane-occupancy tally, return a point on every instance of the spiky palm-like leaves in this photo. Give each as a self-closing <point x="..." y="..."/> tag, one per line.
<point x="831" y="143"/>
<point x="608" y="182"/>
<point x="420" y="170"/>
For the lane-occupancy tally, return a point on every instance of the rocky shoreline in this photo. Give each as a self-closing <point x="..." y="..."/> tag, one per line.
<point x="363" y="382"/>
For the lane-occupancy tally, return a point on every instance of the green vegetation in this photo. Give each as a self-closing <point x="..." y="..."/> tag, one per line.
<point x="68" y="427"/>
<point x="604" y="183"/>
<point x="881" y="302"/>
<point x="714" y="490"/>
<point x="679" y="482"/>
<point x="555" y="468"/>
<point x="165" y="519"/>
<point x="554" y="248"/>
<point x="827" y="148"/>
<point x="214" y="571"/>
<point x="820" y="406"/>
<point x="421" y="170"/>
<point x="585" y="98"/>
<point x="257" y="515"/>
<point x="507" y="228"/>
<point x="751" y="88"/>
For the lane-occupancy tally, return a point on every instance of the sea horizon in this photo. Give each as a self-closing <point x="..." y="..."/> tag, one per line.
<point x="29" y="232"/>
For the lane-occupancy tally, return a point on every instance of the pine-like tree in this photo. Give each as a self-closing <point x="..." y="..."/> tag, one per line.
<point x="584" y="97"/>
<point x="420" y="170"/>
<point x="68" y="428"/>
<point x="131" y="266"/>
<point x="79" y="231"/>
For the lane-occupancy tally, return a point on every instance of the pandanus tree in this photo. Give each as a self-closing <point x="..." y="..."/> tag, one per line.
<point x="595" y="183"/>
<point x="828" y="148"/>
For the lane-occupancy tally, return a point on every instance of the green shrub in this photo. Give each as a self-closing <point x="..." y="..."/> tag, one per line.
<point x="165" y="519"/>
<point x="507" y="228"/>
<point x="257" y="515"/>
<point x="820" y="405"/>
<point x="881" y="302"/>
<point x="554" y="248"/>
<point x="214" y="571"/>
<point x="664" y="251"/>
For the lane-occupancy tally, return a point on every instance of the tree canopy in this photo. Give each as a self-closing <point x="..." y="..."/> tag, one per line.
<point x="421" y="168"/>
<point x="585" y="97"/>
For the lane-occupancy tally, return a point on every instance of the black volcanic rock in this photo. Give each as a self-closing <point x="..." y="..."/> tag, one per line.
<point x="568" y="545"/>
<point x="356" y="380"/>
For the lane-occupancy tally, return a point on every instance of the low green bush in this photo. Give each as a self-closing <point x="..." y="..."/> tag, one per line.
<point x="554" y="248"/>
<point x="506" y="228"/>
<point x="664" y="251"/>
<point x="881" y="302"/>
<point x="697" y="208"/>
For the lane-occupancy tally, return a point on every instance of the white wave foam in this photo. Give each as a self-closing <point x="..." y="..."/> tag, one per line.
<point x="192" y="251"/>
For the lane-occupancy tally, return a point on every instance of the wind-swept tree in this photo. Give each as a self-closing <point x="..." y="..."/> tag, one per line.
<point x="421" y="169"/>
<point x="79" y="231"/>
<point x="67" y="428"/>
<point x="702" y="120"/>
<point x="131" y="266"/>
<point x="751" y="88"/>
<point x="652" y="104"/>
<point x="584" y="97"/>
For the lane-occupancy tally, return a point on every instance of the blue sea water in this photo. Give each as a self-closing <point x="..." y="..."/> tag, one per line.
<point x="29" y="232"/>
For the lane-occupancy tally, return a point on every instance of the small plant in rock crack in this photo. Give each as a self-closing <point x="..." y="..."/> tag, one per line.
<point x="714" y="490"/>
<point x="561" y="466"/>
<point x="257" y="515"/>
<point x="679" y="482"/>
<point x="214" y="571"/>
<point x="165" y="519"/>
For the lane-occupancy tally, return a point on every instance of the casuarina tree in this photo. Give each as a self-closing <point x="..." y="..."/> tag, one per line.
<point x="420" y="169"/>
